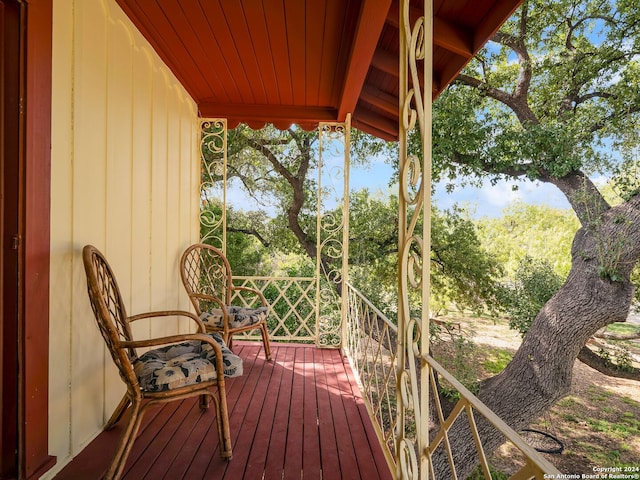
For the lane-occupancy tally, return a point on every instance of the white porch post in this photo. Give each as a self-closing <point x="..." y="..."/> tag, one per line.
<point x="414" y="243"/>
<point x="332" y="232"/>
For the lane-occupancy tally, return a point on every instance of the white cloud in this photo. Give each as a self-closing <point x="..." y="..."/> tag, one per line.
<point x="491" y="200"/>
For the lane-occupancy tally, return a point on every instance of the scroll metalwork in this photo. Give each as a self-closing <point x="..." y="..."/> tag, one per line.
<point x="332" y="231"/>
<point x="414" y="244"/>
<point x="213" y="180"/>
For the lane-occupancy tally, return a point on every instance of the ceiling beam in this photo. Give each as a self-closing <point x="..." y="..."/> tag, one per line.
<point x="373" y="15"/>
<point x="268" y="113"/>
<point x="387" y="62"/>
<point x="375" y="132"/>
<point x="377" y="121"/>
<point x="380" y="99"/>
<point x="446" y="34"/>
<point x="452" y="38"/>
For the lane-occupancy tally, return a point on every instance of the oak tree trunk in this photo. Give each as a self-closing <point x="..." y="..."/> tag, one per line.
<point x="596" y="293"/>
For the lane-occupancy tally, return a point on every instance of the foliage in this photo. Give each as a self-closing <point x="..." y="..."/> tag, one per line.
<point x="535" y="283"/>
<point x="576" y="68"/>
<point x="462" y="273"/>
<point x="619" y="357"/>
<point x="478" y="474"/>
<point x="274" y="168"/>
<point x="243" y="251"/>
<point x="453" y="349"/>
<point x="537" y="231"/>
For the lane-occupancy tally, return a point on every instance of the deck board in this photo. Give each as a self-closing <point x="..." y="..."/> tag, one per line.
<point x="298" y="416"/>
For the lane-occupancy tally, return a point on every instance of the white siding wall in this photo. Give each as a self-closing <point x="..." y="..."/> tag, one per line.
<point x="125" y="179"/>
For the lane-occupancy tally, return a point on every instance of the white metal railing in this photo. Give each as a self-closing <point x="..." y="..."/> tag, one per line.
<point x="371" y="347"/>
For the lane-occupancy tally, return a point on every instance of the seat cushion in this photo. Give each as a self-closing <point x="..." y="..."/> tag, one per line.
<point x="238" y="316"/>
<point x="183" y="364"/>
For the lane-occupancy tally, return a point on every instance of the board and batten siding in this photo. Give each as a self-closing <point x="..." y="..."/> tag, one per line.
<point x="125" y="178"/>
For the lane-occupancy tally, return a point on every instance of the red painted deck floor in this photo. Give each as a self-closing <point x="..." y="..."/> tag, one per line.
<point x="299" y="416"/>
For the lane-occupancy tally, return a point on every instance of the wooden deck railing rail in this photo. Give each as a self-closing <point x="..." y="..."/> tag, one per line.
<point x="371" y="347"/>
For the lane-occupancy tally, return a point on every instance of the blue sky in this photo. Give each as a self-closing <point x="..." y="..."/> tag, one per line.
<point x="487" y="200"/>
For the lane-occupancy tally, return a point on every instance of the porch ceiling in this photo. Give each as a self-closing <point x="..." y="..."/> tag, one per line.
<point x="305" y="61"/>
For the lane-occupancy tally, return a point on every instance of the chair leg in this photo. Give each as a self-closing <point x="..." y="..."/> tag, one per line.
<point x="223" y="422"/>
<point x="229" y="342"/>
<point x="265" y="340"/>
<point x="205" y="401"/>
<point x="114" y="472"/>
<point x="117" y="413"/>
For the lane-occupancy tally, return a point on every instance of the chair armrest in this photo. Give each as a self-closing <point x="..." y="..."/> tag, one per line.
<point x="154" y="342"/>
<point x="254" y="291"/>
<point x="170" y="313"/>
<point x="207" y="298"/>
<point x="215" y="300"/>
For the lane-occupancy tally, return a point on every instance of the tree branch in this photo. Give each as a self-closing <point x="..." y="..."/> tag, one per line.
<point x="596" y="362"/>
<point x="517" y="103"/>
<point x="250" y="231"/>
<point x="584" y="197"/>
<point x="616" y="336"/>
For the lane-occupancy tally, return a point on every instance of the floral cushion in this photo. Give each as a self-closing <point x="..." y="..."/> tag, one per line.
<point x="238" y="316"/>
<point x="183" y="364"/>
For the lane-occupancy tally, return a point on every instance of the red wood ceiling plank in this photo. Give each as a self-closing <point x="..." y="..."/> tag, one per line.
<point x="338" y="33"/>
<point x="275" y="18"/>
<point x="234" y="13"/>
<point x="295" y="31"/>
<point x="372" y="19"/>
<point x="351" y="11"/>
<point x="214" y="61"/>
<point x="230" y="56"/>
<point x="259" y="32"/>
<point x="185" y="27"/>
<point x="159" y="32"/>
<point x="315" y="23"/>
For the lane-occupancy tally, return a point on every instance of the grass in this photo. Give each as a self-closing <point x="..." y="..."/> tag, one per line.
<point x="597" y="425"/>
<point x="497" y="360"/>
<point x="597" y="428"/>
<point x="623" y="328"/>
<point x="596" y="394"/>
<point x="477" y="474"/>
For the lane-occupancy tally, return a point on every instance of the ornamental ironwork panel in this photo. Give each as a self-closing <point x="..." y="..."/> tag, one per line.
<point x="332" y="230"/>
<point x="213" y="181"/>
<point x="414" y="242"/>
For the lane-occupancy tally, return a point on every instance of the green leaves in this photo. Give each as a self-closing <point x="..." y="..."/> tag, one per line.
<point x="535" y="283"/>
<point x="557" y="88"/>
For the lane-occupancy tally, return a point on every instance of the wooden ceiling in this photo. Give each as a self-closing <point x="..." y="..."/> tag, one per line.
<point x="305" y="61"/>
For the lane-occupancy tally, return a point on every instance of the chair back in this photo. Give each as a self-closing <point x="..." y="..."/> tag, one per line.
<point x="109" y="312"/>
<point x="206" y="273"/>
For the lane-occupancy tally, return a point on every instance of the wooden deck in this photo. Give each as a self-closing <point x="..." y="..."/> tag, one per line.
<point x="299" y="416"/>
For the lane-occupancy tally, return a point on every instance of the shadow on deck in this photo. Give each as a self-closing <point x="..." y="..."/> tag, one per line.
<point x="299" y="416"/>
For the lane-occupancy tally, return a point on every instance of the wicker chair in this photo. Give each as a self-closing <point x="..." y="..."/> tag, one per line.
<point x="179" y="366"/>
<point x="206" y="275"/>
